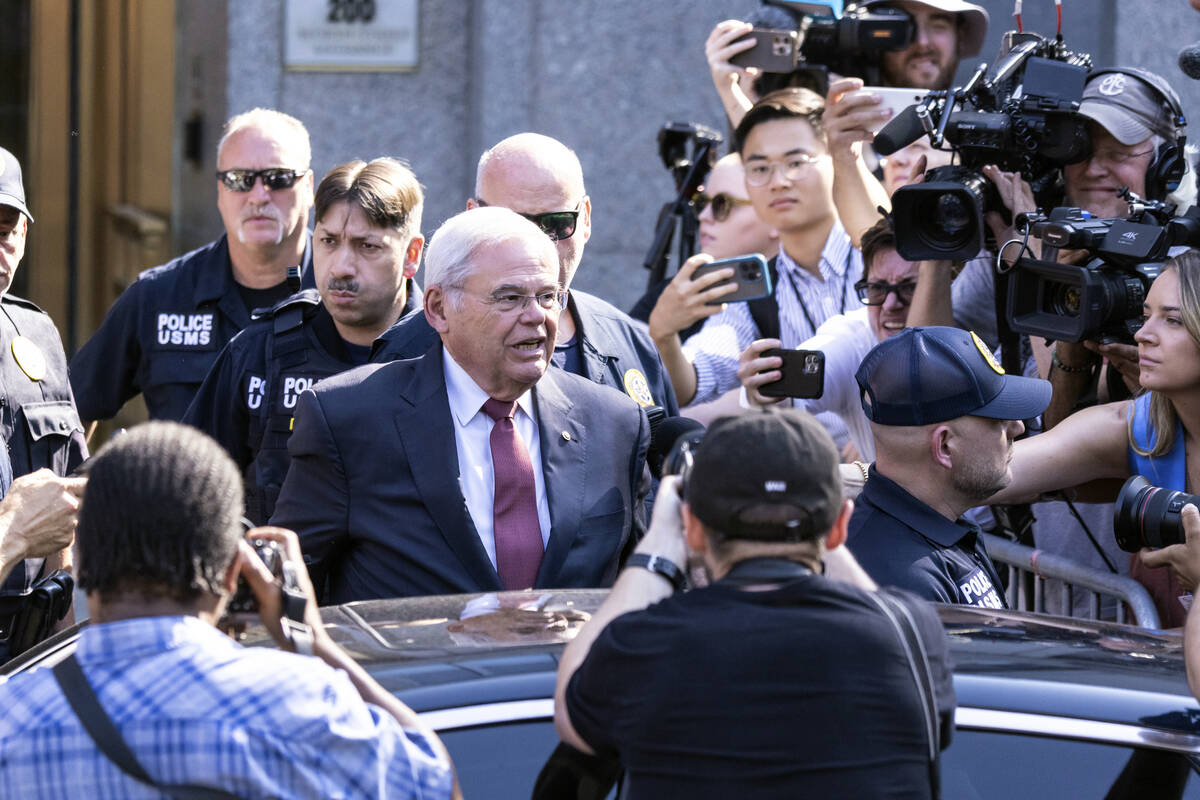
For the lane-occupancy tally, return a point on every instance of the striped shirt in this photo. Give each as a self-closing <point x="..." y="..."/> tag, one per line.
<point x="197" y="708"/>
<point x="804" y="303"/>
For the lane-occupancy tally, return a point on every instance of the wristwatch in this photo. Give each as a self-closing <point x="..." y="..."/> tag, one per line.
<point x="657" y="564"/>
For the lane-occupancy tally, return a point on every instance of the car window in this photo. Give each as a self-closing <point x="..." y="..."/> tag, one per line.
<point x="500" y="760"/>
<point x="999" y="766"/>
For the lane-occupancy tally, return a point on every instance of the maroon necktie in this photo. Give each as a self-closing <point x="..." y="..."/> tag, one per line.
<point x="515" y="523"/>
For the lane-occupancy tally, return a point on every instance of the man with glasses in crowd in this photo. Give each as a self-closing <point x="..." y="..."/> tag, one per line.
<point x="541" y="179"/>
<point x="366" y="250"/>
<point x="499" y="473"/>
<point x="788" y="180"/>
<point x="163" y="333"/>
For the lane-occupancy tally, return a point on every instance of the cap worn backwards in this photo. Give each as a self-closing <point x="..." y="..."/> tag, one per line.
<point x="922" y="376"/>
<point x="766" y="476"/>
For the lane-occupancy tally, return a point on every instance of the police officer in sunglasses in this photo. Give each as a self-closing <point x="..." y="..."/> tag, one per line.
<point x="541" y="179"/>
<point x="163" y="333"/>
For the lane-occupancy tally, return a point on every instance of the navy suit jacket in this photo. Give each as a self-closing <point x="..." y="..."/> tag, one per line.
<point x="374" y="493"/>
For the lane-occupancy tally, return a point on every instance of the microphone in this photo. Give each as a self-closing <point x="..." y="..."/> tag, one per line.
<point x="663" y="438"/>
<point x="899" y="132"/>
<point x="1189" y="61"/>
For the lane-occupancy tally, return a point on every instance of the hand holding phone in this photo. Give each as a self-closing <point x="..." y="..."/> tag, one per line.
<point x="803" y="374"/>
<point x="750" y="275"/>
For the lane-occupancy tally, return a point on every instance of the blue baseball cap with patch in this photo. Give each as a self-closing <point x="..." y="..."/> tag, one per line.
<point x="12" y="190"/>
<point x="922" y="376"/>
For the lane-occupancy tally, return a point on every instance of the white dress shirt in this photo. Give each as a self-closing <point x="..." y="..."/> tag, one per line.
<point x="472" y="432"/>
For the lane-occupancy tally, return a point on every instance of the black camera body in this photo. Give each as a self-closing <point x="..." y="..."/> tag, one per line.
<point x="243" y="601"/>
<point x="1019" y="115"/>
<point x="850" y="45"/>
<point x="1102" y="299"/>
<point x="1149" y="516"/>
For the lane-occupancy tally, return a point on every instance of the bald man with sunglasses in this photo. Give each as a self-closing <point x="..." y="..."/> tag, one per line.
<point x="541" y="179"/>
<point x="164" y="332"/>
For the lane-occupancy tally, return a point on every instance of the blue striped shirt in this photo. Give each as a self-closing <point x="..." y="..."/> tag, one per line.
<point x="197" y="708"/>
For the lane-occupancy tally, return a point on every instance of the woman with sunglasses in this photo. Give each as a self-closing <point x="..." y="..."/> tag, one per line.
<point x="1151" y="435"/>
<point x="728" y="228"/>
<point x="886" y="294"/>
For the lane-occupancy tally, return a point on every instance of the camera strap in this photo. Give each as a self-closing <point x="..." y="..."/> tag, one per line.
<point x="898" y="614"/>
<point x="108" y="740"/>
<point x="295" y="630"/>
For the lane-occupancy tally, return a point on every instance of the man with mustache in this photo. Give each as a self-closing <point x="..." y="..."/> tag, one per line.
<point x="944" y="416"/>
<point x="367" y="248"/>
<point x="163" y="333"/>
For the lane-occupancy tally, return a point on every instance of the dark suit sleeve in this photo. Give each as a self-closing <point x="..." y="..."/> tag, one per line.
<point x="104" y="371"/>
<point x="314" y="500"/>
<point x="219" y="409"/>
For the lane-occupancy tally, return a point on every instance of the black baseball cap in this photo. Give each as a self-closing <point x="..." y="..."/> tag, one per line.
<point x="925" y="375"/>
<point x="769" y="475"/>
<point x="12" y="190"/>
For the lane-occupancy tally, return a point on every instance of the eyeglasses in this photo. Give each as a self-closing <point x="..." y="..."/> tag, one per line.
<point x="507" y="302"/>
<point x="274" y="178"/>
<point x="758" y="173"/>
<point x="558" y="225"/>
<point x="875" y="294"/>
<point x="1117" y="158"/>
<point x="722" y="204"/>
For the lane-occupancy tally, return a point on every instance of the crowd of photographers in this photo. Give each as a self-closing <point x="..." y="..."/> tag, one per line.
<point x="969" y="333"/>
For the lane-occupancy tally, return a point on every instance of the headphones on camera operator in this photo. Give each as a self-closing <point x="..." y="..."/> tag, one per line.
<point x="1169" y="164"/>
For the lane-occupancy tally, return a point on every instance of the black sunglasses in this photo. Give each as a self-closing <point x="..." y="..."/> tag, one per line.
<point x="722" y="204"/>
<point x="875" y="294"/>
<point x="274" y="178"/>
<point x="557" y="225"/>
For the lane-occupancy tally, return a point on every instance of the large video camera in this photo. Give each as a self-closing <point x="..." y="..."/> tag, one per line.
<point x="798" y="44"/>
<point x="1102" y="299"/>
<point x="1019" y="115"/>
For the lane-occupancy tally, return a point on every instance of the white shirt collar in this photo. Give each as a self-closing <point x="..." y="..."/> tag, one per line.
<point x="466" y="398"/>
<point x="834" y="256"/>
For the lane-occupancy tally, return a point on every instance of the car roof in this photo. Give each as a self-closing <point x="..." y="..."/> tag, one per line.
<point x="455" y="650"/>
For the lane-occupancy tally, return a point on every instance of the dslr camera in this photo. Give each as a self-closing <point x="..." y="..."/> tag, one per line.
<point x="1102" y="299"/>
<point x="243" y="602"/>
<point x="1149" y="516"/>
<point x="798" y="44"/>
<point x="1019" y="115"/>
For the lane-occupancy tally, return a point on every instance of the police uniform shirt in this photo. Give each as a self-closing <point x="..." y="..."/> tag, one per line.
<point x="162" y="335"/>
<point x="247" y="400"/>
<point x="614" y="349"/>
<point x="901" y="541"/>
<point x="37" y="413"/>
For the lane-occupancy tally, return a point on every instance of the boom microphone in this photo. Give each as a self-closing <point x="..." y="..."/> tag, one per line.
<point x="1189" y="61"/>
<point x="899" y="132"/>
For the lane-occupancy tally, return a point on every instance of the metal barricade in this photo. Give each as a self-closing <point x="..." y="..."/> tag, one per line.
<point x="1029" y="569"/>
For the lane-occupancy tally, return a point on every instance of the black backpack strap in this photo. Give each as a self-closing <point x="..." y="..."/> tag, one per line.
<point x="106" y="737"/>
<point x="765" y="310"/>
<point x="899" y="615"/>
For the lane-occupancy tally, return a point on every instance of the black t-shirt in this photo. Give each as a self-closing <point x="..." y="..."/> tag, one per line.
<point x="803" y="691"/>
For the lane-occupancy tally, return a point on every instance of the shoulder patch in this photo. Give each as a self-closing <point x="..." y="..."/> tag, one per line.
<point x="638" y="388"/>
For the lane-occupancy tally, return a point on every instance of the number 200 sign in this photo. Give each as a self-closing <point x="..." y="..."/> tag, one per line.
<point x="350" y="35"/>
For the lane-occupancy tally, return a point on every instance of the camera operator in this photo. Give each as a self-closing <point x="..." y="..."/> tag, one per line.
<point x="1136" y="132"/>
<point x="1146" y="436"/>
<point x="699" y="692"/>
<point x="160" y="553"/>
<point x="944" y="31"/>
<point x="846" y="339"/>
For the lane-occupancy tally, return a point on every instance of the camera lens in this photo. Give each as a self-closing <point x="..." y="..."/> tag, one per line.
<point x="1065" y="300"/>
<point x="1148" y="516"/>
<point x="951" y="216"/>
<point x="752" y="272"/>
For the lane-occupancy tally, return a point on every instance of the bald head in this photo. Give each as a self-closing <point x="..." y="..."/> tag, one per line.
<point x="534" y="174"/>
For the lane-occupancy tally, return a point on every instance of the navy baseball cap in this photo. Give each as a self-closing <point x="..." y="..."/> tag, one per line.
<point x="925" y="375"/>
<point x="12" y="191"/>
